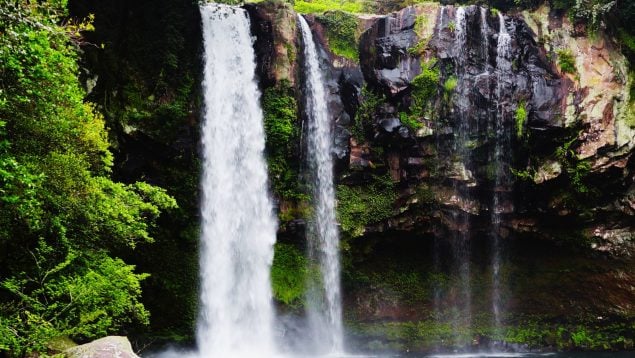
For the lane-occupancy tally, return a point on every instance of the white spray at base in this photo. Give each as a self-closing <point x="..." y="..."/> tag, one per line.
<point x="238" y="226"/>
<point x="325" y="310"/>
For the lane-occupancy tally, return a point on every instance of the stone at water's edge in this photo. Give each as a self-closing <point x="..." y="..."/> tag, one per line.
<point x="107" y="347"/>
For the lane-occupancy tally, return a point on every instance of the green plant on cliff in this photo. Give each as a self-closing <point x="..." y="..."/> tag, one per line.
<point x="289" y="275"/>
<point x="566" y="61"/>
<point x="63" y="220"/>
<point x="423" y="89"/>
<point x="361" y="205"/>
<point x="521" y="118"/>
<point x="280" y="121"/>
<point x="341" y="30"/>
<point x="577" y="170"/>
<point x="366" y="112"/>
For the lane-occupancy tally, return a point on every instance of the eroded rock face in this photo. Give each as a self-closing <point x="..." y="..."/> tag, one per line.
<point x="384" y="56"/>
<point x="107" y="347"/>
<point x="274" y="25"/>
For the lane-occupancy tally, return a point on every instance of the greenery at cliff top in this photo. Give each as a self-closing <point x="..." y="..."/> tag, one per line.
<point x="63" y="221"/>
<point x="341" y="31"/>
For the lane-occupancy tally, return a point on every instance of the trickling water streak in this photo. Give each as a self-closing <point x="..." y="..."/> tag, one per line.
<point x="461" y="36"/>
<point x="238" y="227"/>
<point x="441" y="15"/>
<point x="501" y="158"/>
<point x="461" y="246"/>
<point x="326" y="316"/>
<point x="485" y="37"/>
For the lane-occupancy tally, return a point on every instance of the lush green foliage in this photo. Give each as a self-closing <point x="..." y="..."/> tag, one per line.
<point x="366" y="113"/>
<point x="61" y="218"/>
<point x="318" y="6"/>
<point x="424" y="88"/>
<point x="358" y="206"/>
<point x="289" y="275"/>
<point x="282" y="131"/>
<point x="566" y="61"/>
<point x="521" y="119"/>
<point x="341" y="31"/>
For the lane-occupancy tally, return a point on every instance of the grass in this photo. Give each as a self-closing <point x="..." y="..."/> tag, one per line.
<point x="320" y="6"/>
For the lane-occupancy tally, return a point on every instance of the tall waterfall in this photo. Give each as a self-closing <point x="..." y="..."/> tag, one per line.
<point x="238" y="226"/>
<point x="461" y="245"/>
<point x="501" y="159"/>
<point x="325" y="311"/>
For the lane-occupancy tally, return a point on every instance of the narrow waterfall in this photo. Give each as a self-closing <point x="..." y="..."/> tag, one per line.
<point x="501" y="159"/>
<point x="238" y="226"/>
<point x="462" y="319"/>
<point x="325" y="310"/>
<point x="485" y="38"/>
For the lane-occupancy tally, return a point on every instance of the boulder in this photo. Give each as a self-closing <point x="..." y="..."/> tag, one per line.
<point x="107" y="347"/>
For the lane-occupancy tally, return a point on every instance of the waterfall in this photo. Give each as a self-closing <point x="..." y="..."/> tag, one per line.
<point x="238" y="226"/>
<point x="325" y="310"/>
<point x="462" y="254"/>
<point x="485" y="37"/>
<point x="461" y="36"/>
<point x="441" y="14"/>
<point x="501" y="159"/>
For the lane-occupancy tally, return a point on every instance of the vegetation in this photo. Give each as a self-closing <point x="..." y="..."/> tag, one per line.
<point x="341" y="31"/>
<point x="521" y="119"/>
<point x="359" y="206"/>
<point x="566" y="61"/>
<point x="282" y="131"/>
<point x="62" y="219"/>
<point x="366" y="112"/>
<point x="319" y="6"/>
<point x="289" y="275"/>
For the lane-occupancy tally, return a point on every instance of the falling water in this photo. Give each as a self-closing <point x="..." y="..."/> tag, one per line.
<point x="485" y="37"/>
<point x="325" y="312"/>
<point x="441" y="14"/>
<point x="461" y="36"/>
<point x="501" y="160"/>
<point x="238" y="227"/>
<point x="463" y="315"/>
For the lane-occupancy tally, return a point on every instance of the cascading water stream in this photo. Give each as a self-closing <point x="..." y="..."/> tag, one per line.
<point x="325" y="310"/>
<point x="461" y="245"/>
<point x="485" y="38"/>
<point x="238" y="226"/>
<point x="501" y="160"/>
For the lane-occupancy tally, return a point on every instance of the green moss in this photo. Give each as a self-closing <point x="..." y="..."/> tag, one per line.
<point x="341" y="30"/>
<point x="521" y="119"/>
<point x="319" y="6"/>
<point x="289" y="275"/>
<point x="450" y="84"/>
<point x="410" y="121"/>
<point x="566" y="61"/>
<point x="282" y="131"/>
<point x="424" y="86"/>
<point x="366" y="113"/>
<point x="359" y="206"/>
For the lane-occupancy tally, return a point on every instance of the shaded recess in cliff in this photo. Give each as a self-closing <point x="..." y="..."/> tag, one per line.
<point x="142" y="68"/>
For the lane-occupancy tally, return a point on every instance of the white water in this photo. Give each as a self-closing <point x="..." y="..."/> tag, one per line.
<point x="485" y="37"/>
<point x="501" y="158"/>
<point x="238" y="226"/>
<point x="325" y="311"/>
<point x="441" y="14"/>
<point x="461" y="35"/>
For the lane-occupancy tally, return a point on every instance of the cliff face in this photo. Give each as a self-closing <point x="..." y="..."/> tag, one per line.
<point x="449" y="140"/>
